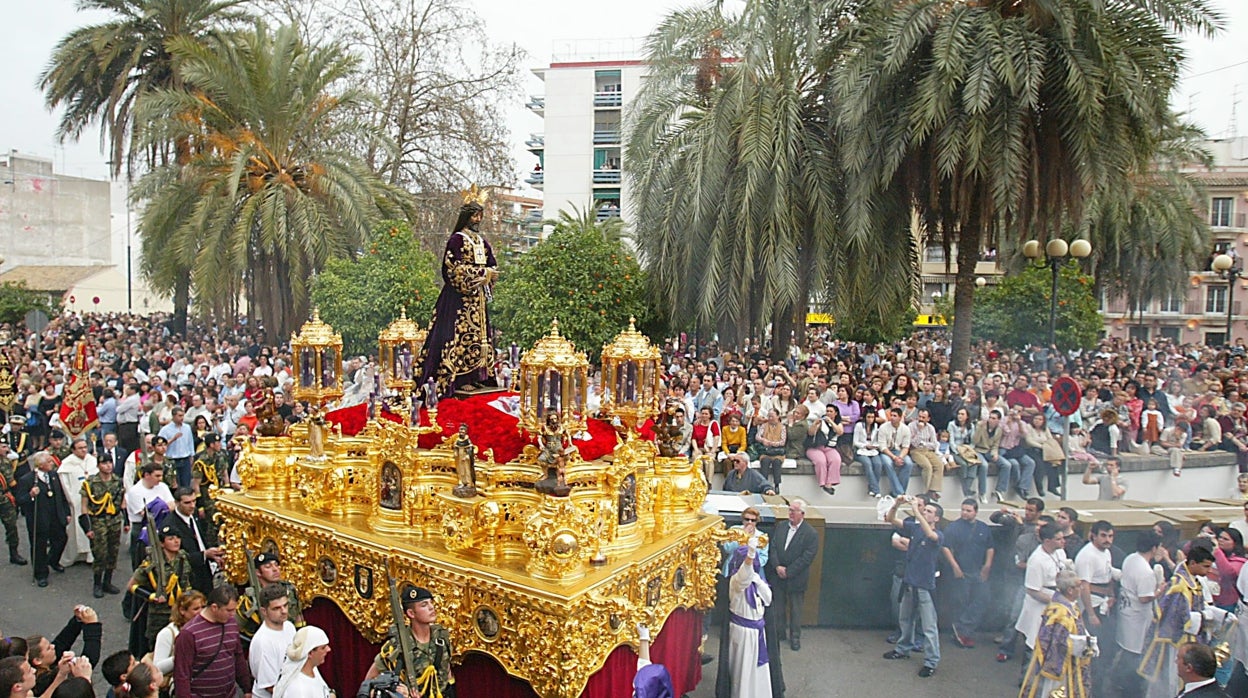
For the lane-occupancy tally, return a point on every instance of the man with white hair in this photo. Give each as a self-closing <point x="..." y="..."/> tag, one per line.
<point x="791" y="550"/>
<point x="742" y="479"/>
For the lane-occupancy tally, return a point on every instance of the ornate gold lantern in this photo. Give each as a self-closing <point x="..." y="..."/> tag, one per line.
<point x="631" y="378"/>
<point x="399" y="346"/>
<point x="317" y="353"/>
<point x="553" y="380"/>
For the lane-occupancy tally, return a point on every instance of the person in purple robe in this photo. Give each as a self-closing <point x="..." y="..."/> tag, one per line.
<point x="458" y="351"/>
<point x="1064" y="650"/>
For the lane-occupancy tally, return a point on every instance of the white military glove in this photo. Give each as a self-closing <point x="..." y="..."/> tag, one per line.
<point x="753" y="544"/>
<point x="1192" y="626"/>
<point x="643" y="633"/>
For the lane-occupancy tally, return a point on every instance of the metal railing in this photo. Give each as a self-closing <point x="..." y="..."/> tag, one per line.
<point x="608" y="99"/>
<point x="604" y="136"/>
<point x="536" y="140"/>
<point x="606" y="176"/>
<point x="536" y="178"/>
<point x="536" y="102"/>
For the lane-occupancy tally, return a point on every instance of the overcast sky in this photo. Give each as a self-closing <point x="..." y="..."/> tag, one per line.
<point x="1217" y="68"/>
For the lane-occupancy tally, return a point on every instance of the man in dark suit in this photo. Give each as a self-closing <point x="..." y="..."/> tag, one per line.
<point x="791" y="550"/>
<point x="1196" y="666"/>
<point x="199" y="541"/>
<point x="109" y="447"/>
<point x="47" y="512"/>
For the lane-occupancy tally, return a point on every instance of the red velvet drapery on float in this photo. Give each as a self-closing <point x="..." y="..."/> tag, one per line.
<point x="479" y="676"/>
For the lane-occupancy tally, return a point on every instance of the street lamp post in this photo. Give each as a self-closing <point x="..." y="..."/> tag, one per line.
<point x="1053" y="254"/>
<point x="1231" y="269"/>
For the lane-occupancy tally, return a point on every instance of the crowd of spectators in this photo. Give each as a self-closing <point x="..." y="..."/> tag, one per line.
<point x="899" y="410"/>
<point x="902" y="413"/>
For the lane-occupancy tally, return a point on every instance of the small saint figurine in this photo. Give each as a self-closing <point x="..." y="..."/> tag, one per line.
<point x="465" y="464"/>
<point x="268" y="421"/>
<point x="316" y="433"/>
<point x="554" y="455"/>
<point x="667" y="431"/>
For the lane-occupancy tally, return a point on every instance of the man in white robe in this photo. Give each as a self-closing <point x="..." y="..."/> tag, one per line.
<point x="748" y="599"/>
<point x="77" y="467"/>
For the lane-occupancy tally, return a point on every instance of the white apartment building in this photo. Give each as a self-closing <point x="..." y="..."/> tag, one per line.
<point x="580" y="158"/>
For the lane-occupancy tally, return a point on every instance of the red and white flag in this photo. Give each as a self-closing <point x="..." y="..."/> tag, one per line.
<point x="78" y="413"/>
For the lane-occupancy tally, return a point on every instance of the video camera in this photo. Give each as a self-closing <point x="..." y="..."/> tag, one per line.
<point x="385" y="685"/>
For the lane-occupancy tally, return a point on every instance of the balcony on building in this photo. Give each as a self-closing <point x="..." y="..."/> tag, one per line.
<point x="537" y="104"/>
<point x="536" y="143"/>
<point x="607" y="135"/>
<point x="607" y="166"/>
<point x="537" y="179"/>
<point x="608" y="89"/>
<point x="606" y="204"/>
<point x="606" y="176"/>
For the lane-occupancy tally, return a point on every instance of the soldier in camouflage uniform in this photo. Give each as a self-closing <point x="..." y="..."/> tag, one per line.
<point x="57" y="446"/>
<point x="103" y="518"/>
<point x="8" y="504"/>
<point x="157" y="456"/>
<point x="269" y="572"/>
<point x="210" y="465"/>
<point x="19" y="443"/>
<point x="431" y="647"/>
<point x="161" y="602"/>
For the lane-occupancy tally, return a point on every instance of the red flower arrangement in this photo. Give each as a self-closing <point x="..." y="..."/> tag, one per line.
<point x="488" y="427"/>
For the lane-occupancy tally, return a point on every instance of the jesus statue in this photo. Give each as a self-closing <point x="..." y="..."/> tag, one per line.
<point x="458" y="351"/>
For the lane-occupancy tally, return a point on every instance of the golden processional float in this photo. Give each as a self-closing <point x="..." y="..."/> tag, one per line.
<point x="546" y="563"/>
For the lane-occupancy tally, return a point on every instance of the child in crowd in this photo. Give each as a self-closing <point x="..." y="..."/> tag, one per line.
<point x="944" y="450"/>
<point x="1151" y="424"/>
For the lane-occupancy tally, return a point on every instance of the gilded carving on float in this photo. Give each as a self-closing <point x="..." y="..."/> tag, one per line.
<point x="544" y="563"/>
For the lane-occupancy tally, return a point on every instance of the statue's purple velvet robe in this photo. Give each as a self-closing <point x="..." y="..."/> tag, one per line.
<point x="459" y="348"/>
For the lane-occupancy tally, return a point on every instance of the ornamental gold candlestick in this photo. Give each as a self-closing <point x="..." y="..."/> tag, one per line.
<point x="631" y="378"/>
<point x="399" y="345"/>
<point x="317" y="351"/>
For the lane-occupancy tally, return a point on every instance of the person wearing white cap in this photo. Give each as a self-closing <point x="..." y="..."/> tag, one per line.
<point x="301" y="677"/>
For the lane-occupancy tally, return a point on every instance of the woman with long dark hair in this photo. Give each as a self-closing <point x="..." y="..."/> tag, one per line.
<point x="1228" y="553"/>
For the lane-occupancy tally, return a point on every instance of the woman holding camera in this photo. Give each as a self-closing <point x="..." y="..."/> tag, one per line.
<point x="822" y="434"/>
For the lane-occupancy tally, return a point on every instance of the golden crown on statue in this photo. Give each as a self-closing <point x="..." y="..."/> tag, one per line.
<point x="475" y="195"/>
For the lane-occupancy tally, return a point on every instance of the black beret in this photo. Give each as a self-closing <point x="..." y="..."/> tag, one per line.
<point x="56" y="434"/>
<point x="166" y="531"/>
<point x="265" y="558"/>
<point x="413" y="594"/>
<point x="158" y="440"/>
<point x="211" y="438"/>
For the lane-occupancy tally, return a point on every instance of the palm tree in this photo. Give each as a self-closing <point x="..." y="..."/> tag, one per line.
<point x="612" y="229"/>
<point x="736" y="182"/>
<point x="997" y="120"/>
<point x="1145" y="231"/>
<point x="98" y="72"/>
<point x="267" y="194"/>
